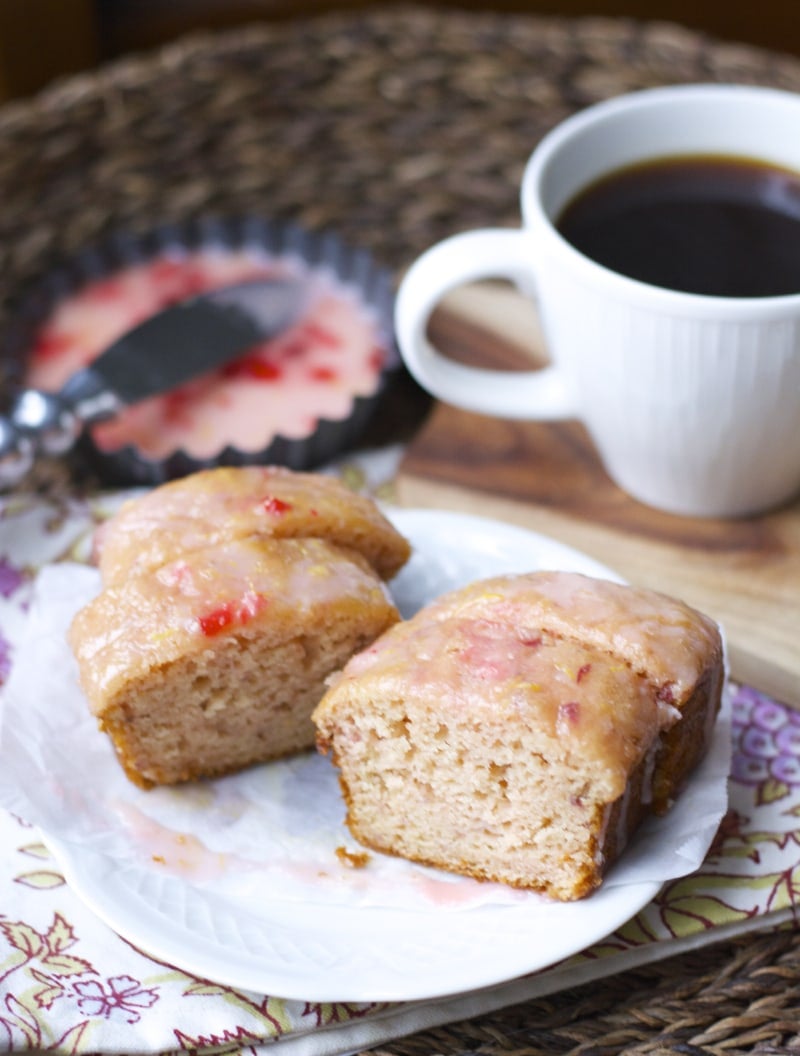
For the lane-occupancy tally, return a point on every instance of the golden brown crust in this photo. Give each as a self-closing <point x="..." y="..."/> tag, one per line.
<point x="683" y="746"/>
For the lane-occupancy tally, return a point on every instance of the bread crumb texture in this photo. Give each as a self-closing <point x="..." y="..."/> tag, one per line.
<point x="520" y="729"/>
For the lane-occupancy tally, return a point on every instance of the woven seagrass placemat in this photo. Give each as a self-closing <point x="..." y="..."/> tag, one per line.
<point x="395" y="128"/>
<point x="726" y="1000"/>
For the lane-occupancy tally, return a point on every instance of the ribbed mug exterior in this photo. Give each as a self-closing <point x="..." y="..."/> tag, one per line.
<point x="675" y="405"/>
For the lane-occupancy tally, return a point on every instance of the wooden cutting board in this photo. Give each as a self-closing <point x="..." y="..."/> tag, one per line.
<point x="546" y="477"/>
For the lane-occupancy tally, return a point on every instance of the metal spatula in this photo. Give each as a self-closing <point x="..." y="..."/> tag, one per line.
<point x="182" y="342"/>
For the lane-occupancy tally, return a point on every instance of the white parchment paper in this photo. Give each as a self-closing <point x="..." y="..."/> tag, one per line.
<point x="274" y="831"/>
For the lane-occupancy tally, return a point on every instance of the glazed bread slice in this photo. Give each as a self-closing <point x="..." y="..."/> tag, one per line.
<point x="218" y="505"/>
<point x="520" y="729"/>
<point x="215" y="661"/>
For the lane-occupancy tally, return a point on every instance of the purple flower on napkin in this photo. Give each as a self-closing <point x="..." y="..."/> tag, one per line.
<point x="766" y="745"/>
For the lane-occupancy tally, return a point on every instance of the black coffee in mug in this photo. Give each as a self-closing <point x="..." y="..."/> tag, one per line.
<point x="721" y="226"/>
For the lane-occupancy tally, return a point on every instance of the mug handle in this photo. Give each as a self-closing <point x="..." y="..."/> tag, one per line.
<point x="488" y="253"/>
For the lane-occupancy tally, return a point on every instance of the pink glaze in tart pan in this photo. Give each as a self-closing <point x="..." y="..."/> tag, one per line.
<point x="299" y="399"/>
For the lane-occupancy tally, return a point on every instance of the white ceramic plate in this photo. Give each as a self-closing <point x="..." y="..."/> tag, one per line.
<point x="354" y="951"/>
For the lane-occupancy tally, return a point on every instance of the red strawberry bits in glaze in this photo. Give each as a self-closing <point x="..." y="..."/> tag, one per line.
<point x="282" y="388"/>
<point x="299" y="399"/>
<point x="231" y="614"/>
<point x="272" y="504"/>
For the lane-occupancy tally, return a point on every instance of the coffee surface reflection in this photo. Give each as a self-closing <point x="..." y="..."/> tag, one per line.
<point x="714" y="225"/>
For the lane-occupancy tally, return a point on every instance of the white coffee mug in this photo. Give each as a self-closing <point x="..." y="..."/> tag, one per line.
<point x="692" y="401"/>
